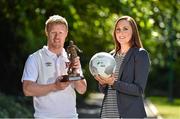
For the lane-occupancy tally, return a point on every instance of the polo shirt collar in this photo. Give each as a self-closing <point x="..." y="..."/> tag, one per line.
<point x="53" y="55"/>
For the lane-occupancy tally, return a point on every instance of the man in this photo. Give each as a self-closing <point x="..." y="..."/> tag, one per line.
<point x="51" y="97"/>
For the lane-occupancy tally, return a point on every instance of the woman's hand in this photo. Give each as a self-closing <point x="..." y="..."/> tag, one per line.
<point x="105" y="81"/>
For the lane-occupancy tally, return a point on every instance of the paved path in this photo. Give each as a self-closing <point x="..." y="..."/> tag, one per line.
<point x="92" y="106"/>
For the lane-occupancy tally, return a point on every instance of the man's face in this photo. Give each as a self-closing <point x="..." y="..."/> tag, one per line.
<point x="57" y="34"/>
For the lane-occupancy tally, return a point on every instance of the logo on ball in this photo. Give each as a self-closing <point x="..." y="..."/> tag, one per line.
<point x="102" y="63"/>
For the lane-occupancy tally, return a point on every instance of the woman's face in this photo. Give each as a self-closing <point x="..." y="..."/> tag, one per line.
<point x="123" y="32"/>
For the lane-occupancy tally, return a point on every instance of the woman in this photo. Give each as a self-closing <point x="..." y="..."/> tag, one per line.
<point x="124" y="89"/>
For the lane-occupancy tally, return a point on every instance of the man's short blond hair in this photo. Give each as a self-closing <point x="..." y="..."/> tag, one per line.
<point x="55" y="19"/>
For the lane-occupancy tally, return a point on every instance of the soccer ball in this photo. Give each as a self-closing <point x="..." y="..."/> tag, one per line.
<point x="102" y="63"/>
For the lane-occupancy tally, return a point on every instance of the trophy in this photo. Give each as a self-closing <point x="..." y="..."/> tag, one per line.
<point x="73" y="74"/>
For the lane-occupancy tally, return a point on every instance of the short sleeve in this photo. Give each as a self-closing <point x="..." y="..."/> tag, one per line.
<point x="30" y="69"/>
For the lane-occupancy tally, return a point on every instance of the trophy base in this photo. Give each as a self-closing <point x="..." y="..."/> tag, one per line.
<point x="74" y="78"/>
<point x="65" y="78"/>
<point x="70" y="78"/>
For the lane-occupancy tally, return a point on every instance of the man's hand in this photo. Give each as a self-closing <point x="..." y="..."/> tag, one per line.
<point x="76" y="63"/>
<point x="59" y="85"/>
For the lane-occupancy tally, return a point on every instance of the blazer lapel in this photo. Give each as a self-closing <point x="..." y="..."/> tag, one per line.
<point x="126" y="59"/>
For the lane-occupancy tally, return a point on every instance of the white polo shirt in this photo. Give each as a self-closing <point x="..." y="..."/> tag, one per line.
<point x="44" y="67"/>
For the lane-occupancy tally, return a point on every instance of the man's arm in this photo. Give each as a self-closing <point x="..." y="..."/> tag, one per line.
<point x="31" y="88"/>
<point x="80" y="86"/>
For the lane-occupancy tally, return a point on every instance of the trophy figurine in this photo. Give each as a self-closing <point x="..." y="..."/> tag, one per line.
<point x="73" y="74"/>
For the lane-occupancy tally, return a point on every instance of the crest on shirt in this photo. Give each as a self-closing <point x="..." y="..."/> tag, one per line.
<point x="48" y="64"/>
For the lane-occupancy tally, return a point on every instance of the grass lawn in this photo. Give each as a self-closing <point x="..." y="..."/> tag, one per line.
<point x="167" y="109"/>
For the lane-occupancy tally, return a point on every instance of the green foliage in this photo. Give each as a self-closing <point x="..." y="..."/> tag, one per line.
<point x="11" y="107"/>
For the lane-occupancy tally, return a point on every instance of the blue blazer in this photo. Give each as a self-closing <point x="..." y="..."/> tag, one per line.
<point x="131" y="83"/>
